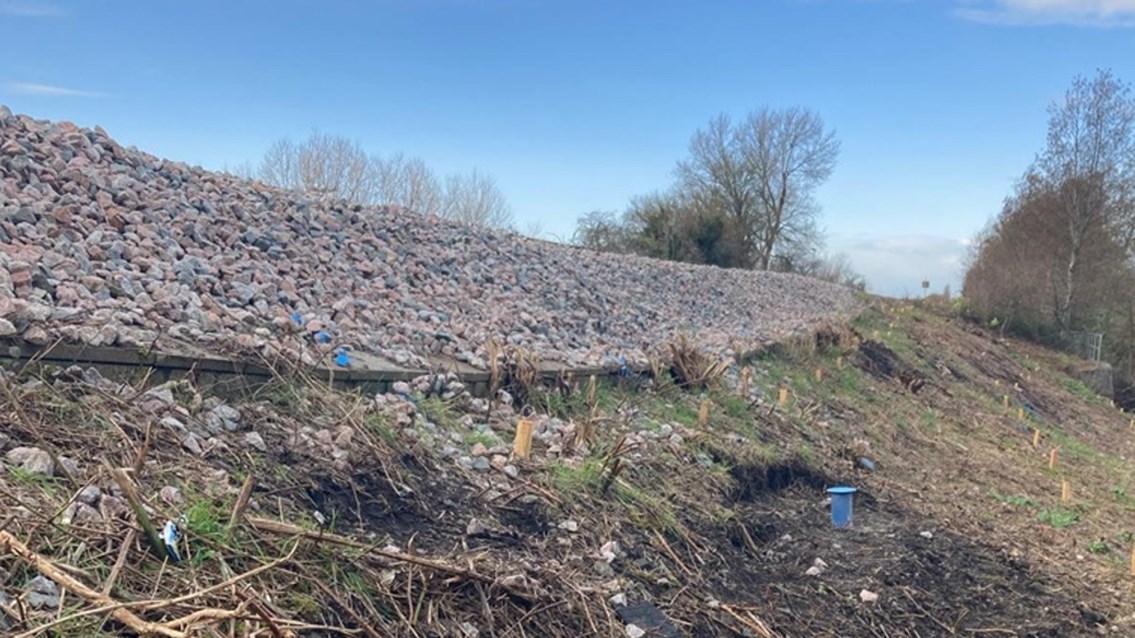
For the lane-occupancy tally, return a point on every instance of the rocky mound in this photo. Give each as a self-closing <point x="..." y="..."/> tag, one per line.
<point x="106" y="245"/>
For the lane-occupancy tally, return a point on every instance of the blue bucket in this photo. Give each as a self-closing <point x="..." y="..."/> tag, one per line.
<point x="841" y="506"/>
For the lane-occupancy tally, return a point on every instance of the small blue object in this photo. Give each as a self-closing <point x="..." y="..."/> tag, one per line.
<point x="341" y="358"/>
<point x="298" y="318"/>
<point x="171" y="534"/>
<point x="322" y="337"/>
<point x="841" y="506"/>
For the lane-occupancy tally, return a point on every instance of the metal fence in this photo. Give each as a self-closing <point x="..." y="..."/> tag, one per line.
<point x="1088" y="345"/>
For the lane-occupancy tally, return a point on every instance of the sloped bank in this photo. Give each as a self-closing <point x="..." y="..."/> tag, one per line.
<point x="108" y="246"/>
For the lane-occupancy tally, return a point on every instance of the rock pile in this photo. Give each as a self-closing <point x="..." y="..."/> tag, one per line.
<point x="105" y="245"/>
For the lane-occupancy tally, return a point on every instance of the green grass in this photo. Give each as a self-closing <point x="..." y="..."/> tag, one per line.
<point x="377" y="423"/>
<point x="1077" y="387"/>
<point x="484" y="438"/>
<point x="1016" y="501"/>
<point x="440" y="412"/>
<point x="1058" y="517"/>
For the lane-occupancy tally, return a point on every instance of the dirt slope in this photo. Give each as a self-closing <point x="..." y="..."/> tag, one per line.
<point x="629" y="507"/>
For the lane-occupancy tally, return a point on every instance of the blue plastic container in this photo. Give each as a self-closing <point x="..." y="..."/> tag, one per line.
<point x="841" y="506"/>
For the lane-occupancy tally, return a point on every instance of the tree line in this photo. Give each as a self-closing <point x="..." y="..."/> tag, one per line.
<point x="338" y="166"/>
<point x="743" y="197"/>
<point x="1059" y="259"/>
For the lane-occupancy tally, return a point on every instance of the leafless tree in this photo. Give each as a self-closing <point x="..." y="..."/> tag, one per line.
<point x="322" y="163"/>
<point x="475" y="199"/>
<point x="405" y="181"/>
<point x="335" y="165"/>
<point x="763" y="171"/>
<point x="1090" y="162"/>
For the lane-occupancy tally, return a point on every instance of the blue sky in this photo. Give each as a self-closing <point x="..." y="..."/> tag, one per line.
<point x="577" y="105"/>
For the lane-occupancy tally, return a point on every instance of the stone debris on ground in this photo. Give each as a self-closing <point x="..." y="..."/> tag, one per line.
<point x="104" y="245"/>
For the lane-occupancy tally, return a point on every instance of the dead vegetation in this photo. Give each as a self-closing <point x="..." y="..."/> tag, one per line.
<point x="703" y="508"/>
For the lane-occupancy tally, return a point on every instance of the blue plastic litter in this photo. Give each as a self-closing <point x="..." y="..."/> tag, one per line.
<point x="322" y="337"/>
<point x="341" y="358"/>
<point x="297" y="318"/>
<point x="171" y="536"/>
<point x="842" y="506"/>
<point x="624" y="370"/>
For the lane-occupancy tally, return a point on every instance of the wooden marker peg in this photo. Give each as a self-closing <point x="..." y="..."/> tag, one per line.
<point x="522" y="444"/>
<point x="703" y="413"/>
<point x="839" y="362"/>
<point x="783" y="399"/>
<point x="1052" y="459"/>
<point x="1133" y="561"/>
<point x="1020" y="414"/>
<point x="1065" y="493"/>
<point x="1005" y="400"/>
<point x="1036" y="438"/>
<point x="819" y="375"/>
<point x="746" y="375"/>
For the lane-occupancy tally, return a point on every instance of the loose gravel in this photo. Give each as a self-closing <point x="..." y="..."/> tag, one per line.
<point x="111" y="246"/>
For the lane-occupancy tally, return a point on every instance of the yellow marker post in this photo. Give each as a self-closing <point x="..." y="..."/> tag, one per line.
<point x="703" y="413"/>
<point x="1065" y="493"/>
<point x="522" y="444"/>
<point x="783" y="398"/>
<point x="1021" y="414"/>
<point x="1036" y="438"/>
<point x="1052" y="459"/>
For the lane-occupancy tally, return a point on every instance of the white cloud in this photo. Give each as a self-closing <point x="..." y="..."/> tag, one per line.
<point x="47" y="90"/>
<point x="31" y="10"/>
<point x="895" y="265"/>
<point x="1097" y="13"/>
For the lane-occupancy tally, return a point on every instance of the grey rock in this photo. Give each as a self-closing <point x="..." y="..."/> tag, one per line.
<point x="42" y="593"/>
<point x="193" y="443"/>
<point x="32" y="460"/>
<point x="254" y="440"/>
<point x="89" y="495"/>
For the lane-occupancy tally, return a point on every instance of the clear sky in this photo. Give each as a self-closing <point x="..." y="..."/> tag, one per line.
<point x="576" y="105"/>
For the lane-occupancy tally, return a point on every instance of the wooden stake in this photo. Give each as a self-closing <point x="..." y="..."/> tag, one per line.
<point x="783" y="399"/>
<point x="1021" y="414"/>
<point x="1036" y="438"/>
<point x="997" y="382"/>
<point x="1005" y="400"/>
<point x="522" y="443"/>
<point x="1065" y="493"/>
<point x="839" y="362"/>
<point x="746" y="375"/>
<point x="1052" y="459"/>
<point x="703" y="413"/>
<point x="592" y="391"/>
<point x="1133" y="561"/>
<point x="1133" y="425"/>
<point x="819" y="375"/>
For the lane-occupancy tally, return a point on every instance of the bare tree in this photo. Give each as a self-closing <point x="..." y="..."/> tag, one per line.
<point x="791" y="155"/>
<point x="1089" y="163"/>
<point x="322" y="163"/>
<point x="762" y="172"/>
<point x="405" y="181"/>
<point x="475" y="199"/>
